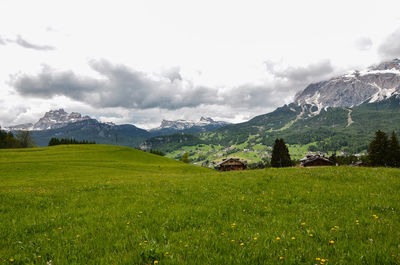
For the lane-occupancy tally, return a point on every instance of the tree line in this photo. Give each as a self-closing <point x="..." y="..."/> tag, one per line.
<point x="382" y="151"/>
<point x="56" y="141"/>
<point x="21" y="139"/>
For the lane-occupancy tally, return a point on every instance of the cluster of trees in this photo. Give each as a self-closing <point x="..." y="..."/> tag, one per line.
<point x="22" y="139"/>
<point x="156" y="152"/>
<point x="56" y="141"/>
<point x="383" y="151"/>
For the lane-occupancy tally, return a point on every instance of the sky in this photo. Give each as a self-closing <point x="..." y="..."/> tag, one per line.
<point x="139" y="62"/>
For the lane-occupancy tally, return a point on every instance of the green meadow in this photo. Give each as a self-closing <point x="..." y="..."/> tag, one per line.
<point x="97" y="204"/>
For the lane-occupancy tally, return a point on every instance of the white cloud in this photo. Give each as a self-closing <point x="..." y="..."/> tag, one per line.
<point x="363" y="44"/>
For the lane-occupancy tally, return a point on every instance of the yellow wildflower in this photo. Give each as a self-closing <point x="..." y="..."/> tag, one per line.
<point x="281" y="258"/>
<point x="311" y="235"/>
<point x="303" y="223"/>
<point x="78" y="236"/>
<point x="11" y="260"/>
<point x="317" y="258"/>
<point x="278" y="238"/>
<point x="331" y="242"/>
<point x="255" y="238"/>
<point x="293" y="238"/>
<point x="39" y="256"/>
<point x="156" y="262"/>
<point x="242" y="244"/>
<point x="233" y="240"/>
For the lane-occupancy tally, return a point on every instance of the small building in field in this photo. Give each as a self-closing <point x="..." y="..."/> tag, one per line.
<point x="315" y="161"/>
<point x="359" y="164"/>
<point x="231" y="164"/>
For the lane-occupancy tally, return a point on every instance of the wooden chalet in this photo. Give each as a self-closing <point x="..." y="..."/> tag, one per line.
<point x="231" y="164"/>
<point x="315" y="161"/>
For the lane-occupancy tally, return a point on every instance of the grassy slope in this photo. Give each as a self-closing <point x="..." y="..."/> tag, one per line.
<point x="114" y="205"/>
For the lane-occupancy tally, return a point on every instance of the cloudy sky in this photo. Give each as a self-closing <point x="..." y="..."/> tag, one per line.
<point x="143" y="61"/>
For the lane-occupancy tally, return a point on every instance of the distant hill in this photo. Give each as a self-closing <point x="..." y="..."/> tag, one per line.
<point x="93" y="130"/>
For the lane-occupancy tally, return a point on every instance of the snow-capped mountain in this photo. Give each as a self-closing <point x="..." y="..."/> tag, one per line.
<point x="184" y="124"/>
<point x="204" y="124"/>
<point x="373" y="84"/>
<point x="25" y="126"/>
<point x="58" y="119"/>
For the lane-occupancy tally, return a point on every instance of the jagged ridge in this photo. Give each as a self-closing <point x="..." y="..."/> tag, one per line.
<point x="374" y="84"/>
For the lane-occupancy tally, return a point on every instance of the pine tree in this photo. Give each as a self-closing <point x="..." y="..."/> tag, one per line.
<point x="378" y="150"/>
<point x="394" y="151"/>
<point x="280" y="154"/>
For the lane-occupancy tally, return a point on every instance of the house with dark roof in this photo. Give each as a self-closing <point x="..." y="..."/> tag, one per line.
<point x="315" y="161"/>
<point x="231" y="164"/>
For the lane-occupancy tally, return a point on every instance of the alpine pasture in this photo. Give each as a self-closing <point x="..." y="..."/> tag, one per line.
<point x="97" y="204"/>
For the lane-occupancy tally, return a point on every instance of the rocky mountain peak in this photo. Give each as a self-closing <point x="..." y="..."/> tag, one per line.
<point x="180" y="124"/>
<point x="57" y="118"/>
<point x="206" y="119"/>
<point x="351" y="89"/>
<point x="391" y="65"/>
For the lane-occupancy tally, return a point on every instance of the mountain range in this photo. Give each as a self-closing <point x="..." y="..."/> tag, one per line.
<point x="341" y="113"/>
<point x="60" y="124"/>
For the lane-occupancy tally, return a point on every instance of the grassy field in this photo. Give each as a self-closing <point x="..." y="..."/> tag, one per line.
<point x="99" y="204"/>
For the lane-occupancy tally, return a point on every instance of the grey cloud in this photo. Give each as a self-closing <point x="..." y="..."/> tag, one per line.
<point x="127" y="88"/>
<point x="363" y="44"/>
<point x="251" y="96"/>
<point x="282" y="88"/>
<point x="311" y="73"/>
<point x="390" y="48"/>
<point x="120" y="87"/>
<point x="50" y="83"/>
<point x="25" y="44"/>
